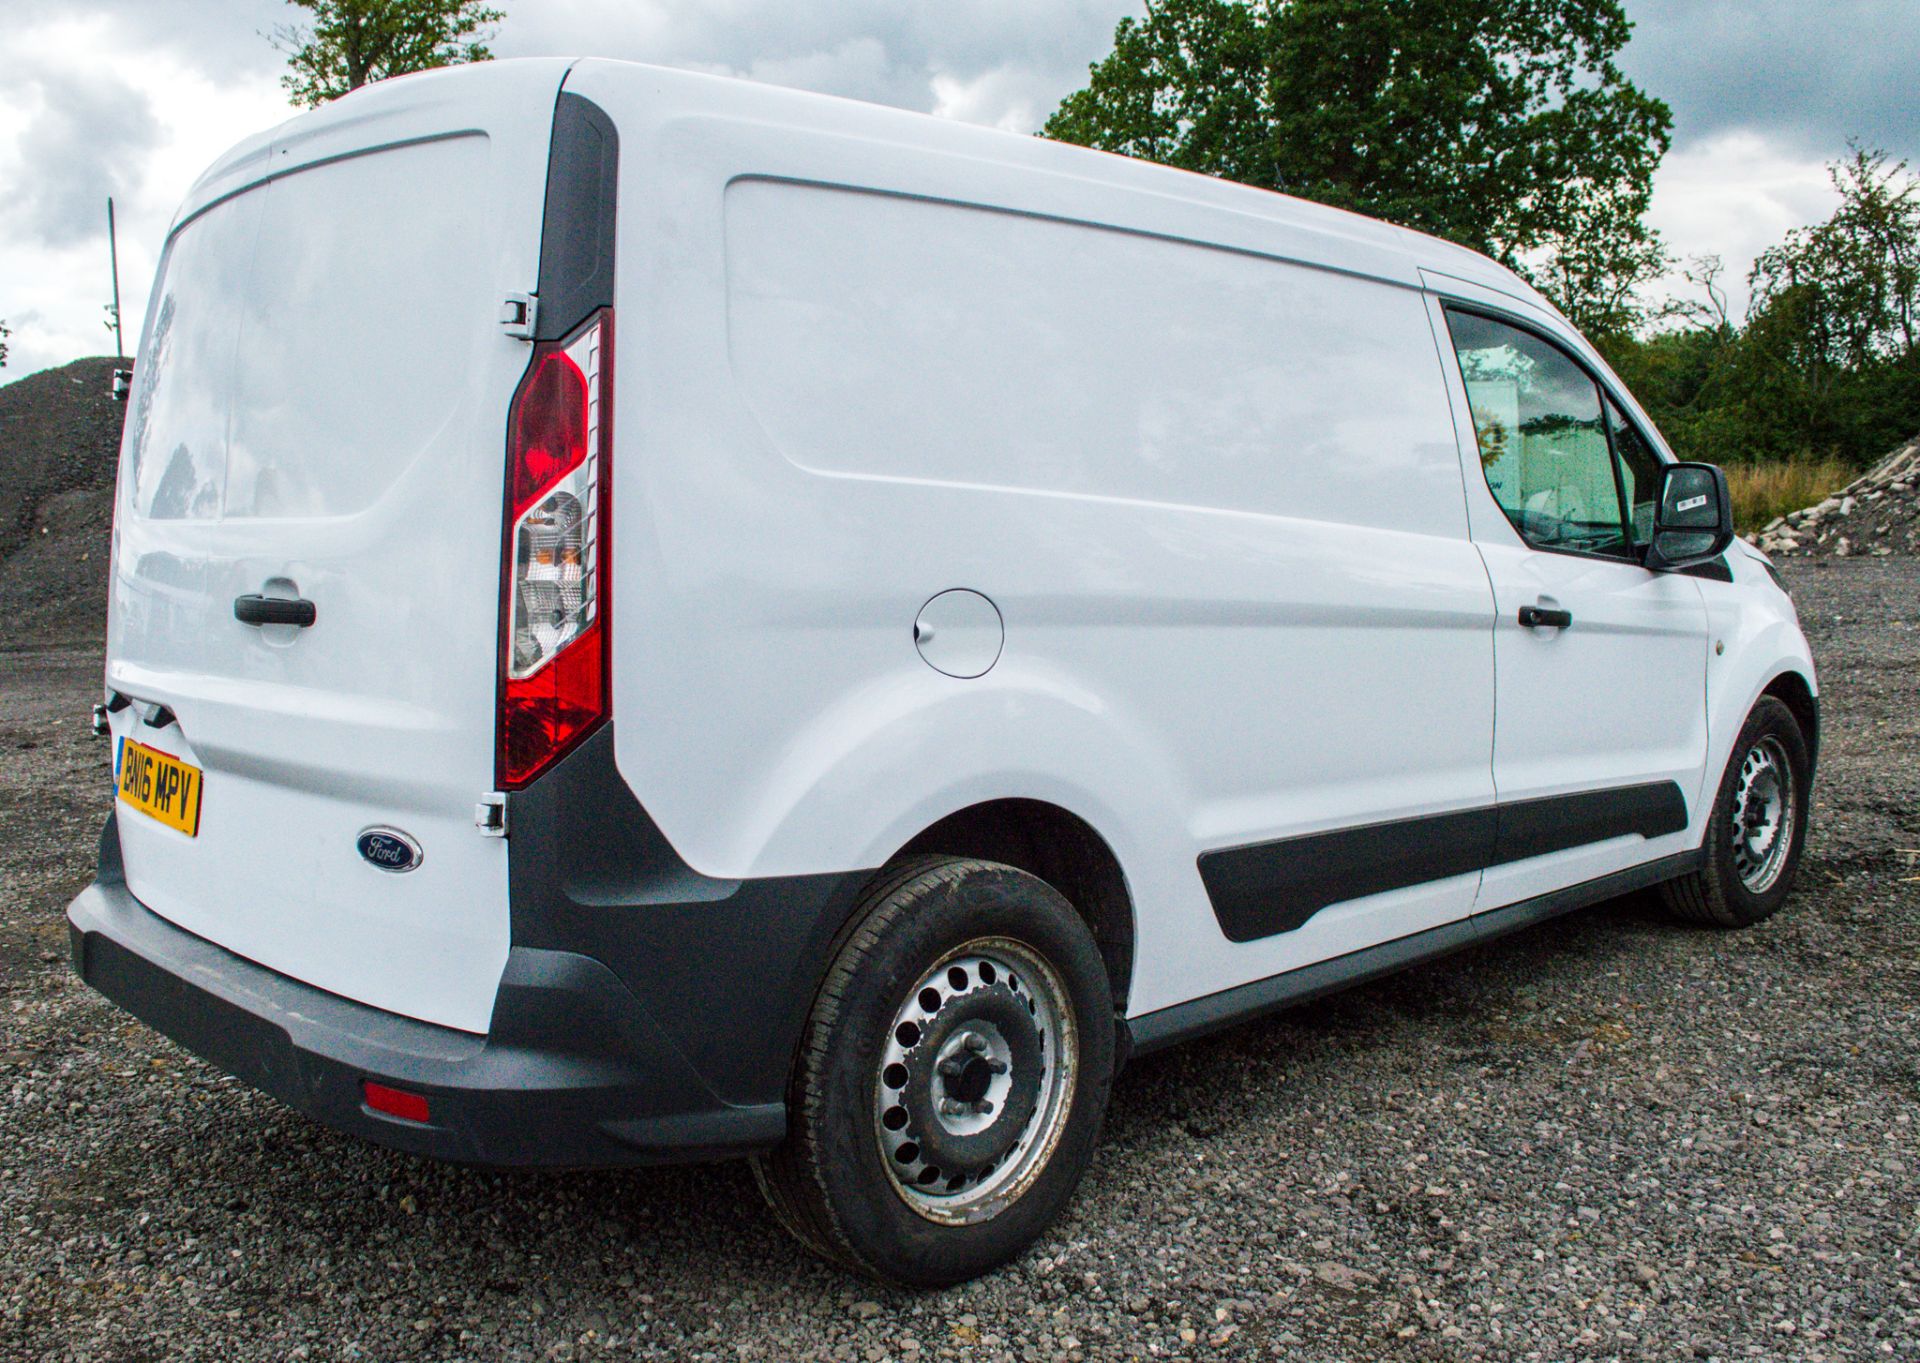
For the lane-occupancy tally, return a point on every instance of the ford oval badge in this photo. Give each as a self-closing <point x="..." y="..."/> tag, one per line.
<point x="389" y="849"/>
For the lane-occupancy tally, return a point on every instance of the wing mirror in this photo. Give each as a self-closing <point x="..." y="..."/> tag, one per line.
<point x="1693" y="518"/>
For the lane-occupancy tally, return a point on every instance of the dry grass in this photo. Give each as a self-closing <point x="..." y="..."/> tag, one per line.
<point x="1763" y="491"/>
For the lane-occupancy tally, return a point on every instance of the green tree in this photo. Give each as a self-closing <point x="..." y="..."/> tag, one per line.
<point x="1826" y="361"/>
<point x="353" y="42"/>
<point x="1832" y="342"/>
<point x="1861" y="267"/>
<point x="1503" y="125"/>
<point x="1683" y="375"/>
<point x="5" y="331"/>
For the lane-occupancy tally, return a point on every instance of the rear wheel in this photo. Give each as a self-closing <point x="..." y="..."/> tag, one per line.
<point x="1757" y="829"/>
<point x="952" y="1078"/>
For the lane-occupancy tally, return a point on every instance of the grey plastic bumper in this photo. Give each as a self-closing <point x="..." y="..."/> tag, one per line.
<point x="573" y="1074"/>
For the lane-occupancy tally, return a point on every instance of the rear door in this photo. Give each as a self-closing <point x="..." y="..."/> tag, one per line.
<point x="1599" y="664"/>
<point x="319" y="413"/>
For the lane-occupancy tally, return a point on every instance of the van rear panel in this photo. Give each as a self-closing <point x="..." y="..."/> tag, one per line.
<point x="319" y="413"/>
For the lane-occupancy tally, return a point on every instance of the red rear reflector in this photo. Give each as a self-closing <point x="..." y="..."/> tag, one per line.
<point x="395" y="1102"/>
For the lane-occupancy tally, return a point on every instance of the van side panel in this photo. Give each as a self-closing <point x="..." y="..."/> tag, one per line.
<point x="1213" y="493"/>
<point x="979" y="347"/>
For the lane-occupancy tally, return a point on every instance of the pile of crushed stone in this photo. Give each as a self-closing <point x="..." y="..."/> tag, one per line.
<point x="1876" y="515"/>
<point x="59" y="444"/>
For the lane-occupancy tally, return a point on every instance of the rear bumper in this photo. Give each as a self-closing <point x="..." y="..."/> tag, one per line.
<point x="574" y="1073"/>
<point x="646" y="1014"/>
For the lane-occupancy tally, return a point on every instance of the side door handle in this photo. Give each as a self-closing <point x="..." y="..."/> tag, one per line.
<point x="254" y="609"/>
<point x="1544" y="617"/>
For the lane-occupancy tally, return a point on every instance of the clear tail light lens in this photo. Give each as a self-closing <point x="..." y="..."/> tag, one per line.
<point x="553" y="663"/>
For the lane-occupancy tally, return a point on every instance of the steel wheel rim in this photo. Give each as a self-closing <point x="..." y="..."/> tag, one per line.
<point x="1764" y="812"/>
<point x="948" y="1076"/>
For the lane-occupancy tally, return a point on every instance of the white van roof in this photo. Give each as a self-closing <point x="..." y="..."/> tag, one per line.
<point x="354" y="121"/>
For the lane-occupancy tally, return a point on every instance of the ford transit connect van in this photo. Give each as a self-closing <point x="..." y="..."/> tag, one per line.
<point x="655" y="617"/>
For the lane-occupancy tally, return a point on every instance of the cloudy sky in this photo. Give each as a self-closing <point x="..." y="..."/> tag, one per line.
<point x="133" y="97"/>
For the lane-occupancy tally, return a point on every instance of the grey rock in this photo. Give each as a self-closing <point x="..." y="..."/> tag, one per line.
<point x="1343" y="1277"/>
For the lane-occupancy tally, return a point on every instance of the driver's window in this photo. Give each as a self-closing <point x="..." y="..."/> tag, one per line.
<point x="1543" y="440"/>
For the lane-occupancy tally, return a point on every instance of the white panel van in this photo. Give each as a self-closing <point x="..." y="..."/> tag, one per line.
<point x="655" y="617"/>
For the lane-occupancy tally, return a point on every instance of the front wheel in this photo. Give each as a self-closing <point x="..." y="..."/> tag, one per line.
<point x="1757" y="828"/>
<point x="952" y="1078"/>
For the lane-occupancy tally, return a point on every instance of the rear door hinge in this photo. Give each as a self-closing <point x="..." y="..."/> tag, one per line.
<point x="490" y="815"/>
<point x="519" y="315"/>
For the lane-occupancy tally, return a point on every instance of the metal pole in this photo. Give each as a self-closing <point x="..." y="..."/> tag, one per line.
<point x="113" y="250"/>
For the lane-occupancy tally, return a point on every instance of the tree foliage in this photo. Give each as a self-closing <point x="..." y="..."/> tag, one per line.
<point x="353" y="42"/>
<point x="1827" y="359"/>
<point x="1503" y="125"/>
<point x="1856" y="276"/>
<point x="5" y="331"/>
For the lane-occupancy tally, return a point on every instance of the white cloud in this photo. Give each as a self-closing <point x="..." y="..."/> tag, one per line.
<point x="82" y="141"/>
<point x="857" y="68"/>
<point x="908" y="55"/>
<point x="87" y="108"/>
<point x="1008" y="97"/>
<point x="1810" y="74"/>
<point x="1733" y="196"/>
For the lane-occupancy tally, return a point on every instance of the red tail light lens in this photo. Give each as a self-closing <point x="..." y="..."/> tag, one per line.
<point x="553" y="653"/>
<point x="550" y="426"/>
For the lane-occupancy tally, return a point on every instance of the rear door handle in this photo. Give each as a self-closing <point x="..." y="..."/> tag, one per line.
<point x="1543" y="617"/>
<point x="254" y="609"/>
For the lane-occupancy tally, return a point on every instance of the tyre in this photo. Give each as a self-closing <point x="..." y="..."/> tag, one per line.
<point x="951" y="1079"/>
<point x="1758" y="826"/>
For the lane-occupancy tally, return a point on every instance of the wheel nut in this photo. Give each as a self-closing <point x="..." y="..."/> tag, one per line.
<point x="976" y="1043"/>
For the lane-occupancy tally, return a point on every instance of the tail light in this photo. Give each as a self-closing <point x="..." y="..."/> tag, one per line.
<point x="553" y="645"/>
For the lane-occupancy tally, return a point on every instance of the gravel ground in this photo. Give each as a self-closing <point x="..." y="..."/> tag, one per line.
<point x="1611" y="1137"/>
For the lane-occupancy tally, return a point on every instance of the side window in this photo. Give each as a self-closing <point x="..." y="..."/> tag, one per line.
<point x="1639" y="474"/>
<point x="1543" y="439"/>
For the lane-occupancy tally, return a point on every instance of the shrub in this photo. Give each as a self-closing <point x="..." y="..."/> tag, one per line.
<point x="1762" y="491"/>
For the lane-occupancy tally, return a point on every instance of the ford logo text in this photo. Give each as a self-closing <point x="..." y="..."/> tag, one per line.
<point x="389" y="849"/>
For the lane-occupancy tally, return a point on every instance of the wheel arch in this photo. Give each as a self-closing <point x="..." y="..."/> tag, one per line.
<point x="1059" y="847"/>
<point x="1794" y="691"/>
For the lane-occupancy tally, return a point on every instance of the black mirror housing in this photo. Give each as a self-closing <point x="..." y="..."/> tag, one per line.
<point x="1693" y="518"/>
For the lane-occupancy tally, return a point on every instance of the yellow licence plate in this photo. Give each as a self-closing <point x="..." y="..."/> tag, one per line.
<point x="159" y="785"/>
